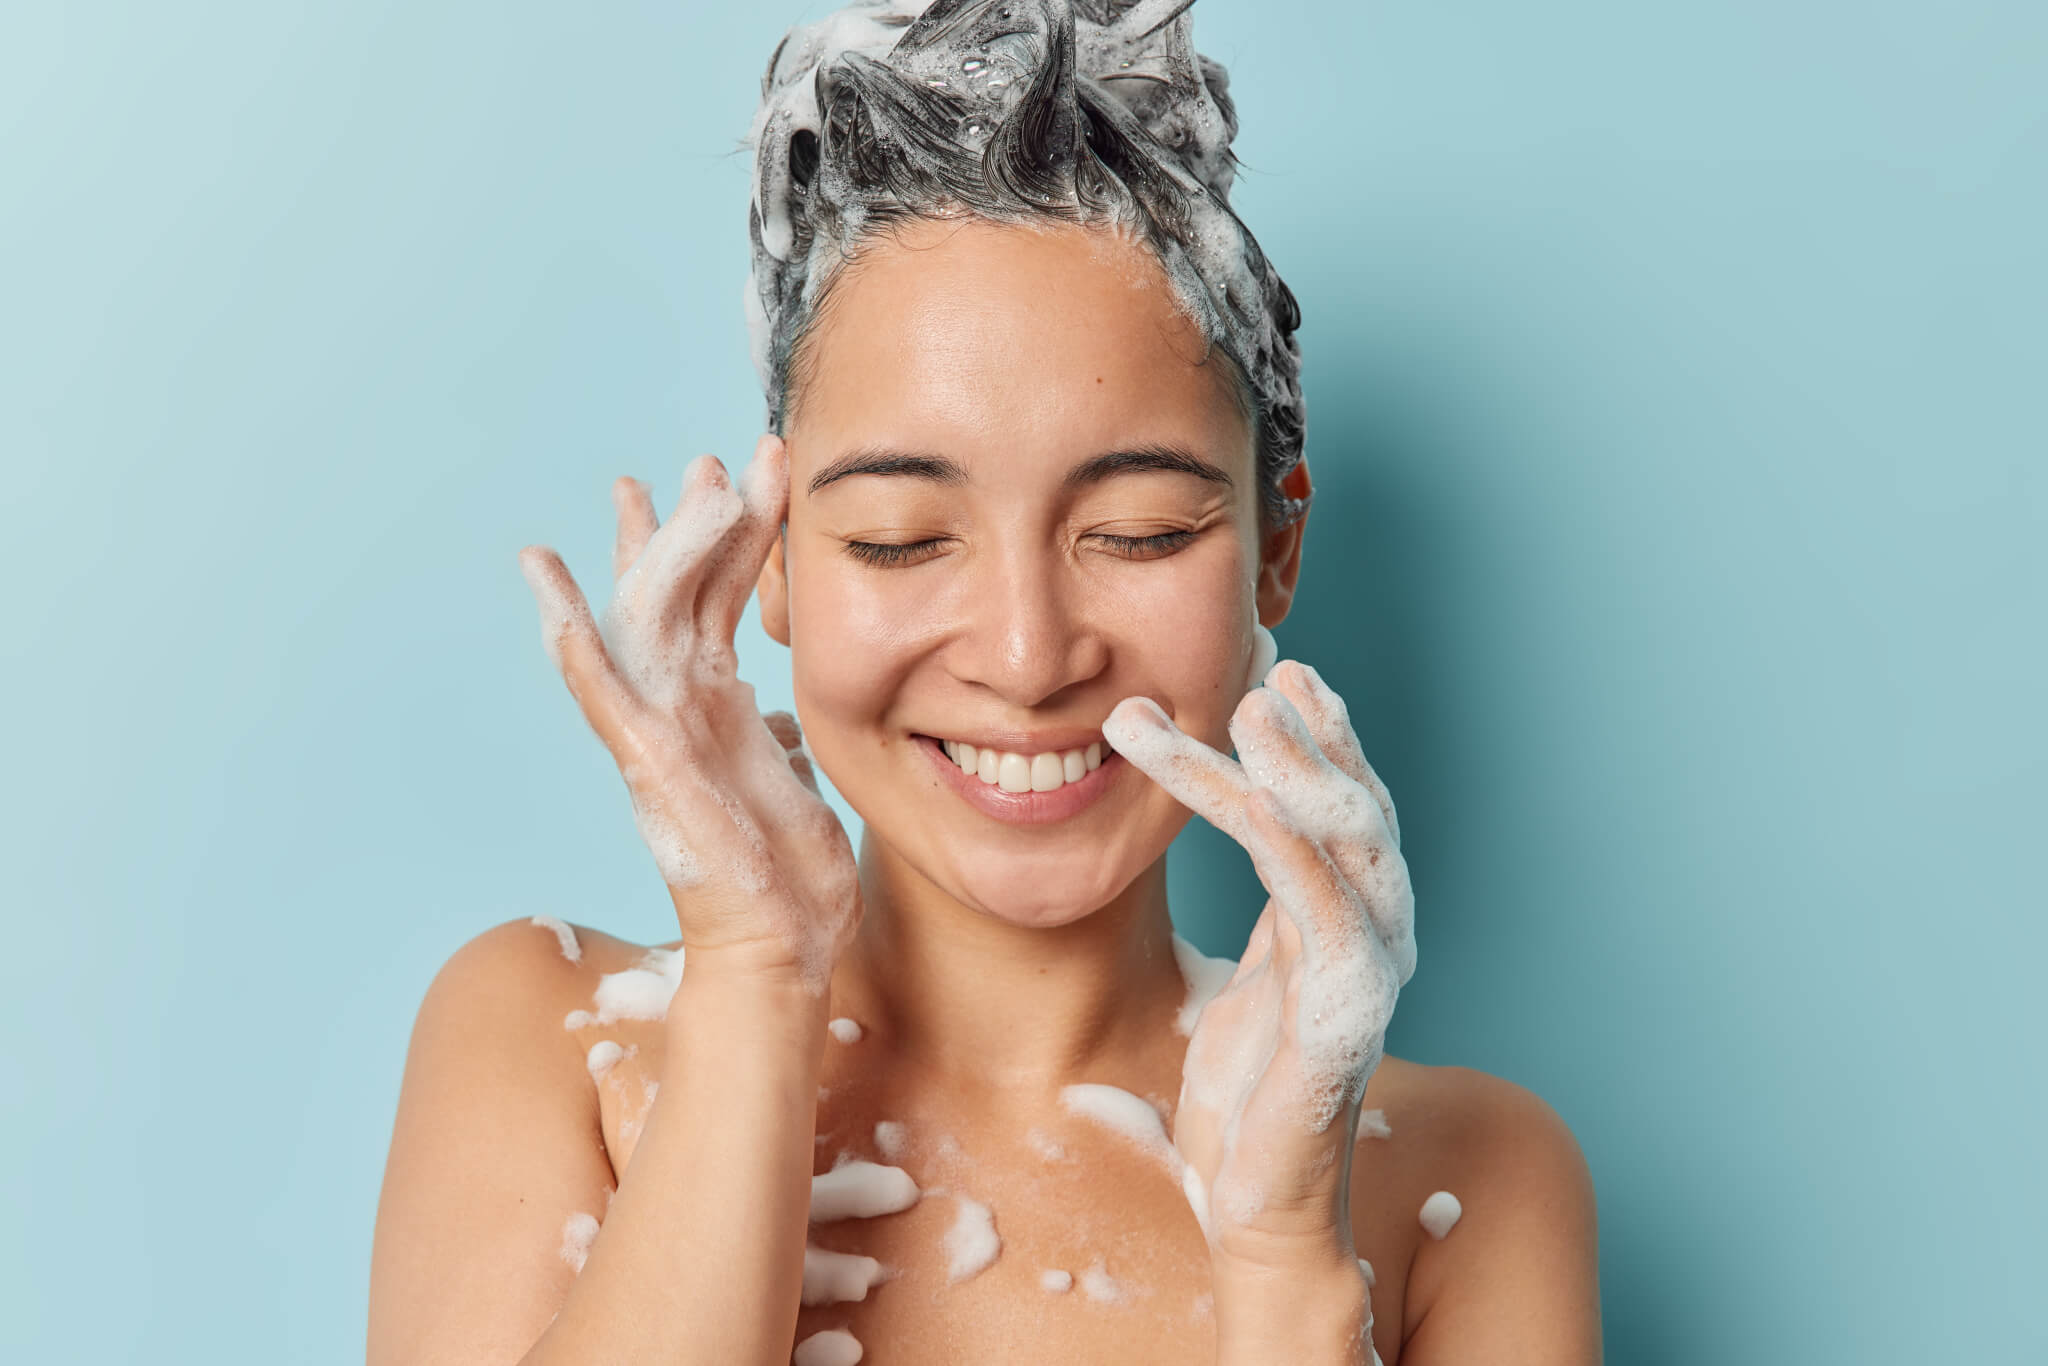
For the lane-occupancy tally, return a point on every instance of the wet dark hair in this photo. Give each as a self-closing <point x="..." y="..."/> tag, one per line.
<point x="1015" y="111"/>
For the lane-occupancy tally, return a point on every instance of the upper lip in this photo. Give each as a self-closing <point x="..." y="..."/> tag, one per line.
<point x="1058" y="740"/>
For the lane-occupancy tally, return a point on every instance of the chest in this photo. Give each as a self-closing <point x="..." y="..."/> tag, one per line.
<point x="1038" y="1235"/>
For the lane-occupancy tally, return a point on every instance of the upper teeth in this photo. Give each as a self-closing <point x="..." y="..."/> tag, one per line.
<point x="1024" y="772"/>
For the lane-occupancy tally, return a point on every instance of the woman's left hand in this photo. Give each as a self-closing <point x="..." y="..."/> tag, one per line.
<point x="1280" y="1057"/>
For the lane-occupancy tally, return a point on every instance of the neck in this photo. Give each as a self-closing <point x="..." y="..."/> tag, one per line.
<point x="963" y="993"/>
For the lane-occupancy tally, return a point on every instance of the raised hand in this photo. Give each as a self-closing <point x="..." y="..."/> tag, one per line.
<point x="724" y="797"/>
<point x="1281" y="1056"/>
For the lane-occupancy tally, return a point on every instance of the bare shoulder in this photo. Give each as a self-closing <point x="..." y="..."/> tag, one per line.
<point x="496" y="1162"/>
<point x="1515" y="1274"/>
<point x="537" y="961"/>
<point x="1473" y="1119"/>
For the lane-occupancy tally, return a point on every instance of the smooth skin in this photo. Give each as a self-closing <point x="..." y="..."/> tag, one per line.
<point x="989" y="964"/>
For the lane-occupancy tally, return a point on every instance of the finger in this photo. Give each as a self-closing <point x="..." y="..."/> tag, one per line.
<point x="1340" y="983"/>
<point x="1314" y="898"/>
<point x="1325" y="807"/>
<point x="1381" y="876"/>
<point x="782" y="725"/>
<point x="789" y="735"/>
<point x="764" y="496"/>
<point x="656" y="599"/>
<point x="637" y="522"/>
<point x="800" y="764"/>
<point x="1275" y="748"/>
<point x="1256" y="948"/>
<point x="573" y="643"/>
<point x="1209" y="784"/>
<point x="1329" y="721"/>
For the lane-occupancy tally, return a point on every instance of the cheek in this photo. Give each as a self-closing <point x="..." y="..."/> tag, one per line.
<point x="1193" y="633"/>
<point x="853" y="637"/>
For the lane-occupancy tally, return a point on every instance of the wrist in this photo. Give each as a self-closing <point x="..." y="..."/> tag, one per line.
<point x="1313" y="1310"/>
<point x="737" y="992"/>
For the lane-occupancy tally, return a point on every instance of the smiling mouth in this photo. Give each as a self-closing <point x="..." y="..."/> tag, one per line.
<point x="1009" y="771"/>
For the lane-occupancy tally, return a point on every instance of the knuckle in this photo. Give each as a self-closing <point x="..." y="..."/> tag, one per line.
<point x="1296" y="675"/>
<point x="1253" y="711"/>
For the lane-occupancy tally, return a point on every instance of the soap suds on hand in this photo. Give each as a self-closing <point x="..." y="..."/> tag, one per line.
<point x="838" y="1277"/>
<point x="1373" y="1124"/>
<point x="1440" y="1213"/>
<point x="1055" y="1282"/>
<point x="892" y="1140"/>
<point x="1197" y="1194"/>
<point x="1042" y="1143"/>
<point x="566" y="937"/>
<point x="833" y="1347"/>
<point x="860" y="1190"/>
<point x="579" y="1231"/>
<point x="1365" y="1269"/>
<point x="1205" y="977"/>
<point x="972" y="1242"/>
<point x="845" y="1030"/>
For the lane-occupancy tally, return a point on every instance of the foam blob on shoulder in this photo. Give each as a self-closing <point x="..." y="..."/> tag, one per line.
<point x="641" y="992"/>
<point x="565" y="936"/>
<point x="833" y="1347"/>
<point x="1373" y="1124"/>
<point x="1440" y="1213"/>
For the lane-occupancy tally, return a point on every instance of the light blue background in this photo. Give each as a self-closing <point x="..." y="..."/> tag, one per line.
<point x="1675" y="387"/>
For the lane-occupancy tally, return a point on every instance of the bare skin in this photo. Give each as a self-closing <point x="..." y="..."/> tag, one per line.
<point x="1100" y="1198"/>
<point x="990" y="964"/>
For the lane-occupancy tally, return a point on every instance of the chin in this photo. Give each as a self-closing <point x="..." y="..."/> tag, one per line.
<point x="1035" y="913"/>
<point x="1042" y="892"/>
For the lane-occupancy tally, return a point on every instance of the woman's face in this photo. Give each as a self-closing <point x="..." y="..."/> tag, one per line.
<point x="1017" y="497"/>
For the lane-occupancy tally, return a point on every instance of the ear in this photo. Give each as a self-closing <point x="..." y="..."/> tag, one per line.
<point x="773" y="590"/>
<point x="1280" y="555"/>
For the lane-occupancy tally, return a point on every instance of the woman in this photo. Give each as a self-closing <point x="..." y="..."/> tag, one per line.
<point x="1031" y="497"/>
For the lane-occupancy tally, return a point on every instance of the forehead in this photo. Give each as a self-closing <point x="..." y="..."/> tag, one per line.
<point x="969" y="335"/>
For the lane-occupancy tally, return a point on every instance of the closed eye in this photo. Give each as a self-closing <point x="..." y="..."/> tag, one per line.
<point x="906" y="552"/>
<point x="1148" y="547"/>
<point x="882" y="552"/>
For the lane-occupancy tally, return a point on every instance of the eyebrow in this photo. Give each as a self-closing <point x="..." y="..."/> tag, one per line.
<point x="1151" y="458"/>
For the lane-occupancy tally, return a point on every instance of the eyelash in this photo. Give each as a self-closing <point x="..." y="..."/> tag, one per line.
<point x="1136" y="547"/>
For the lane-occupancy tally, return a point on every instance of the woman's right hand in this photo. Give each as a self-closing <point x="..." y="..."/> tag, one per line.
<point x="760" y="869"/>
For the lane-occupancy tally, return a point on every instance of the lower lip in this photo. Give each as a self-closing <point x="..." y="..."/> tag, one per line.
<point x="1024" y="808"/>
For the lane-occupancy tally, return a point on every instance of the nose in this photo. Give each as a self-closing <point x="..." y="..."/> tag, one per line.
<point x="1031" y="631"/>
